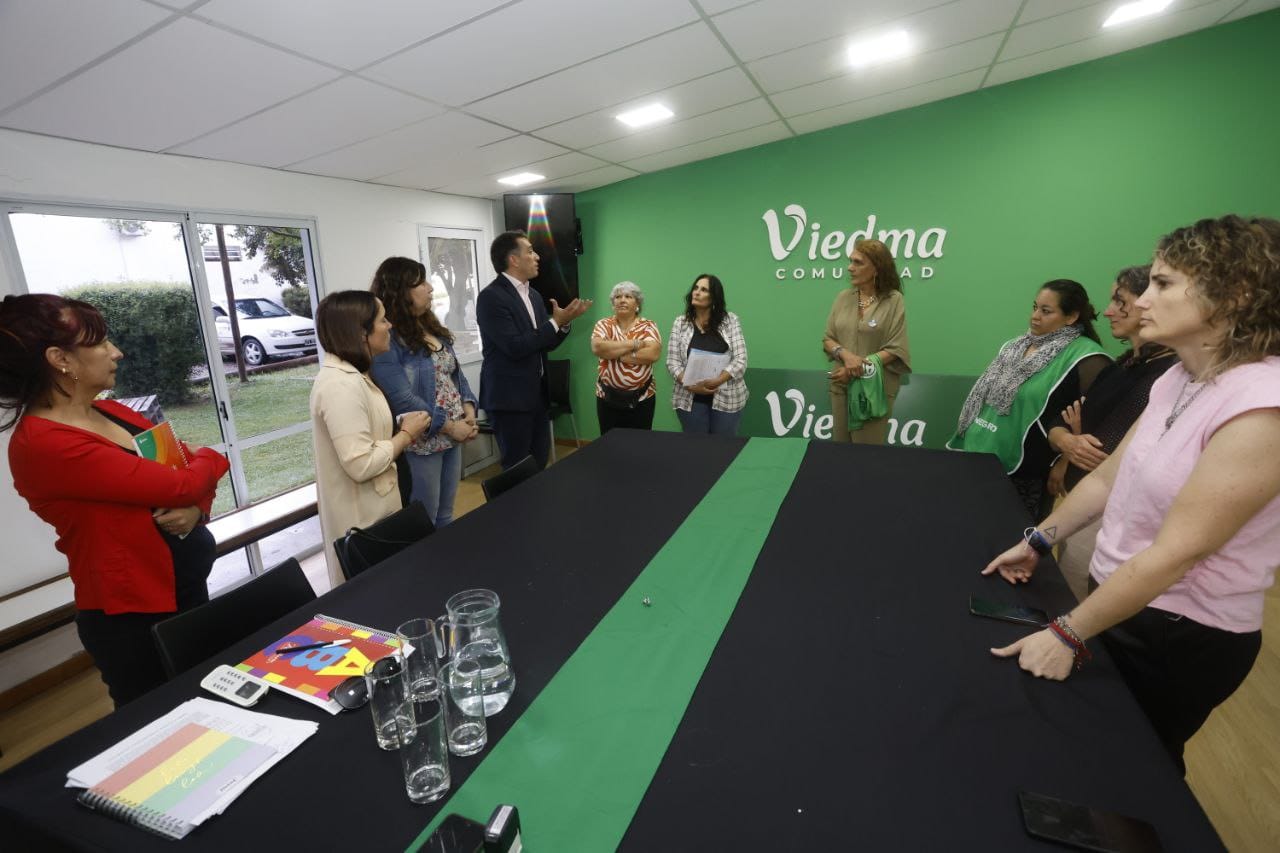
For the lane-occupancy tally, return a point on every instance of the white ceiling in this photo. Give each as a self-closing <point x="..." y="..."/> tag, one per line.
<point x="449" y="95"/>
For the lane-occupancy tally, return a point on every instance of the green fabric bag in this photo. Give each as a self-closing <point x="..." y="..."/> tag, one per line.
<point x="866" y="396"/>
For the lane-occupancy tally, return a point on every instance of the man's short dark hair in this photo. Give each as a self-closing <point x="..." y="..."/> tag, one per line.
<point x="504" y="246"/>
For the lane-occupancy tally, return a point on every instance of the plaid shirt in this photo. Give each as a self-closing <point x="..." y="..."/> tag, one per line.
<point x="729" y="397"/>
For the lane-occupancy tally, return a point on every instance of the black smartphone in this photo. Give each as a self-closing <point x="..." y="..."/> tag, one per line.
<point x="1008" y="612"/>
<point x="455" y="834"/>
<point x="1085" y="828"/>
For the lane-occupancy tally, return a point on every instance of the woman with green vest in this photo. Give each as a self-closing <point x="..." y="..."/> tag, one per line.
<point x="1033" y="377"/>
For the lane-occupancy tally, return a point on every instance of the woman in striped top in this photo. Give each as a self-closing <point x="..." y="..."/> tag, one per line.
<point x="627" y="346"/>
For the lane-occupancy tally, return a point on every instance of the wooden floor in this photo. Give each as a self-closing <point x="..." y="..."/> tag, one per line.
<point x="1233" y="763"/>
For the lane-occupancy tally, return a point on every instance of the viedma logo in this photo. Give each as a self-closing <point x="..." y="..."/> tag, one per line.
<point x="797" y="404"/>
<point x="834" y="246"/>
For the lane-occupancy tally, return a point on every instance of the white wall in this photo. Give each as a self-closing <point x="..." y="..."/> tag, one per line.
<point x="357" y="225"/>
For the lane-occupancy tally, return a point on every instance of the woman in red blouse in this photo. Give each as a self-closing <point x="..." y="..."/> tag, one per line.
<point x="131" y="529"/>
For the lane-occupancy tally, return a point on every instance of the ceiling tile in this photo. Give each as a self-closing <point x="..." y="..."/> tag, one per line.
<point x="1253" y="7"/>
<point x="37" y="47"/>
<point x="403" y="148"/>
<point x="555" y="169"/>
<point x="905" y="73"/>
<point x="524" y="42"/>
<point x="625" y="74"/>
<point x="712" y="147"/>
<point x="305" y="127"/>
<point x="715" y="7"/>
<point x="888" y="103"/>
<point x="930" y="31"/>
<point x="1035" y="10"/>
<point x="772" y="26"/>
<point x="677" y="134"/>
<point x="328" y="30"/>
<point x="722" y="89"/>
<point x="144" y="97"/>
<point x="590" y="180"/>
<point x="1108" y="42"/>
<point x="1084" y="23"/>
<point x="445" y="167"/>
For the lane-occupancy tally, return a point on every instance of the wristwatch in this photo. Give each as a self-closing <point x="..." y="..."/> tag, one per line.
<point x="835" y="353"/>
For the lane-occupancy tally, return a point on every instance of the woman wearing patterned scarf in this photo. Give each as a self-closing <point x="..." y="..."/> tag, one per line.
<point x="1033" y="377"/>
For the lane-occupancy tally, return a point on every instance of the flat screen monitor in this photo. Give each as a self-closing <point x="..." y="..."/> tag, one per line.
<point x="550" y="222"/>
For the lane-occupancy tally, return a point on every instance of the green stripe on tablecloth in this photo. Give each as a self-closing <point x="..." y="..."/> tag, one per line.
<point x="578" y="761"/>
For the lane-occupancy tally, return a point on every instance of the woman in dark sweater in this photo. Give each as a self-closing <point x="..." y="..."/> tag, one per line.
<point x="1090" y="429"/>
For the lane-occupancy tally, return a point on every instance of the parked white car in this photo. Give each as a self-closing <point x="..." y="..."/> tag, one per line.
<point x="267" y="331"/>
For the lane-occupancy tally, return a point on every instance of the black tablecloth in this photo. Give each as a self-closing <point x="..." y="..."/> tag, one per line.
<point x="850" y="703"/>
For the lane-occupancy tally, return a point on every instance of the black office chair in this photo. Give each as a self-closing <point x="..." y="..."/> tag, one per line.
<point x="559" y="401"/>
<point x="510" y="478"/>
<point x="364" y="547"/>
<point x="198" y="634"/>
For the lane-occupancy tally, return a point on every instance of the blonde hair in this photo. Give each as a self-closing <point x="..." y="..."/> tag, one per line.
<point x="1234" y="264"/>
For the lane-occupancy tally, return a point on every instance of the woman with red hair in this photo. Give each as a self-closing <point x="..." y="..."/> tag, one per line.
<point x="131" y="529"/>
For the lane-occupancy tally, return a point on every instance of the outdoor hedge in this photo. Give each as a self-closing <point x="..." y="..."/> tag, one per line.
<point x="154" y="325"/>
<point x="297" y="300"/>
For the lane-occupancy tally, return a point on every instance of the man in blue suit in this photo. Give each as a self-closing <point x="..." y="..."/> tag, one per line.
<point x="517" y="334"/>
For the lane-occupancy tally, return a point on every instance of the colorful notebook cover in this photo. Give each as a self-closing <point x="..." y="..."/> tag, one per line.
<point x="171" y="787"/>
<point x="311" y="675"/>
<point x="160" y="444"/>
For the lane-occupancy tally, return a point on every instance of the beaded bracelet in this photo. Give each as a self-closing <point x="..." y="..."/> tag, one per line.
<point x="1064" y="632"/>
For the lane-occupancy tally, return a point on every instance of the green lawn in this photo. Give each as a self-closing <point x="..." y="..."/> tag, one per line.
<point x="268" y="401"/>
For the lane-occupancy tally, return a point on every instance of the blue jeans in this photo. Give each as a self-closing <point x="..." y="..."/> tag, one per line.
<point x="704" y="419"/>
<point x="435" y="481"/>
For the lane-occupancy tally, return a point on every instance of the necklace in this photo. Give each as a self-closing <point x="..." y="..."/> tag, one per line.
<point x="1179" y="407"/>
<point x="865" y="304"/>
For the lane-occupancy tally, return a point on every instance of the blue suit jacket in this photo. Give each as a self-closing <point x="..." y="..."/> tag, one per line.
<point x="513" y="376"/>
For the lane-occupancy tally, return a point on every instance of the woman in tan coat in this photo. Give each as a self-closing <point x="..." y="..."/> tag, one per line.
<point x="869" y="318"/>
<point x="355" y="440"/>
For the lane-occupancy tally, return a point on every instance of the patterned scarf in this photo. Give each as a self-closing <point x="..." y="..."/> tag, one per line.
<point x="999" y="383"/>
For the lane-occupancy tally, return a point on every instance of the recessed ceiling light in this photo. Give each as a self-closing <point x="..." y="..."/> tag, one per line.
<point x="521" y="179"/>
<point x="1132" y="11"/>
<point x="644" y="115"/>
<point x="879" y="49"/>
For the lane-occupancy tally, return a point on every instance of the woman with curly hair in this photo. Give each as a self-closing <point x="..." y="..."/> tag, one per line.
<point x="1190" y="500"/>
<point x="420" y="373"/>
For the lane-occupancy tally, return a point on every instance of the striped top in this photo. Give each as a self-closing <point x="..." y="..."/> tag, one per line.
<point x="613" y="372"/>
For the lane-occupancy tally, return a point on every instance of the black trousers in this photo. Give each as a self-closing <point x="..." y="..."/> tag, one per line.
<point x="1179" y="670"/>
<point x="522" y="434"/>
<point x="121" y="644"/>
<point x="641" y="417"/>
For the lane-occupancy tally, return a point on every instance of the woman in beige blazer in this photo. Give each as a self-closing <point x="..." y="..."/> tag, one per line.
<point x="355" y="440"/>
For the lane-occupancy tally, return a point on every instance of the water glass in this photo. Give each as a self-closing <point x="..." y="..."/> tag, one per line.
<point x="421" y="675"/>
<point x="385" y="680"/>
<point x="463" y="696"/>
<point x="423" y="753"/>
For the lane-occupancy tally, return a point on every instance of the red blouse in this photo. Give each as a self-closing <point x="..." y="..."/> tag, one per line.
<point x="99" y="500"/>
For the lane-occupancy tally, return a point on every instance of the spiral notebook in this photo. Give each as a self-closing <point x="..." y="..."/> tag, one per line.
<point x="160" y="444"/>
<point x="172" y="775"/>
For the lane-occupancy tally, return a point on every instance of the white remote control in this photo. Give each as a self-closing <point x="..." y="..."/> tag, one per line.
<point x="227" y="682"/>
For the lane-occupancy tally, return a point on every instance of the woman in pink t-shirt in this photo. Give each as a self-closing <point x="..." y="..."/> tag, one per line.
<point x="1190" y="500"/>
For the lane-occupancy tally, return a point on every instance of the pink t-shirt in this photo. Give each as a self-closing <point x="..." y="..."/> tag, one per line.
<point x="1226" y="589"/>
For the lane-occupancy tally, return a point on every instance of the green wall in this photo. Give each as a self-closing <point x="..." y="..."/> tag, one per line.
<point x="1070" y="174"/>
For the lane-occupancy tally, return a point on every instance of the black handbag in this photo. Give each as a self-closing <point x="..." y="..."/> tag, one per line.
<point x="623" y="398"/>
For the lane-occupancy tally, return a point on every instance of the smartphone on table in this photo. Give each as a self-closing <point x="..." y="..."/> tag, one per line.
<point x="1008" y="612"/>
<point x="1086" y="828"/>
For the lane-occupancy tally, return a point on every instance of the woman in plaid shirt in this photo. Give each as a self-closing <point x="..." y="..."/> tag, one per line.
<point x="712" y="405"/>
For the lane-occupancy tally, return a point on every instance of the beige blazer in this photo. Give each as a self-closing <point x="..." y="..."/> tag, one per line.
<point x="354" y="456"/>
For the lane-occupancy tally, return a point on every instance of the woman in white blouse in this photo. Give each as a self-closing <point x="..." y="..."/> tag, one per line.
<point x="355" y="440"/>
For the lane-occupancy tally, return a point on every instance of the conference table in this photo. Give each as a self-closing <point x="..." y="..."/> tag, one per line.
<point x="847" y="701"/>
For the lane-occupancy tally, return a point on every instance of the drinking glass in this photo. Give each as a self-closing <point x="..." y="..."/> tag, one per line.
<point x="462" y="691"/>
<point x="385" y="680"/>
<point x="421" y="675"/>
<point x="424" y="756"/>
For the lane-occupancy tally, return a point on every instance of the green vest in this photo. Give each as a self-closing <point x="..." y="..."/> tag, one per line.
<point x="1004" y="435"/>
<point x="866" y="396"/>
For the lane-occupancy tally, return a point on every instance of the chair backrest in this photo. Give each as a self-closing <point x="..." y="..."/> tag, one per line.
<point x="198" y="634"/>
<point x="364" y="547"/>
<point x="558" y="385"/>
<point x="513" y="476"/>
